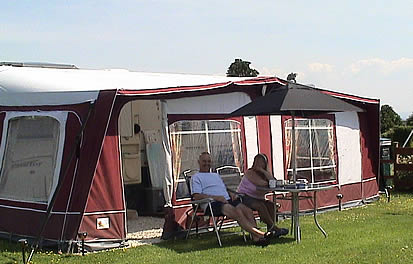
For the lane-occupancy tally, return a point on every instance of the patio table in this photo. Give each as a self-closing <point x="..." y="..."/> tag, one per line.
<point x="295" y="190"/>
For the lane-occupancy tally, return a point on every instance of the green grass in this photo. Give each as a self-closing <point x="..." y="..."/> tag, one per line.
<point x="380" y="232"/>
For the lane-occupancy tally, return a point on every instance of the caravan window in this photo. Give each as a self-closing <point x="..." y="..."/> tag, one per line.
<point x="315" y="149"/>
<point x="29" y="159"/>
<point x="189" y="138"/>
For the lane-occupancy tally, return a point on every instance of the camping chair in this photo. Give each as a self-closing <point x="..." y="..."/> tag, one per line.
<point x="231" y="176"/>
<point x="197" y="212"/>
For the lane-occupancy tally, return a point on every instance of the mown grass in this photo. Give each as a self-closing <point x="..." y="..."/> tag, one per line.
<point x="380" y="232"/>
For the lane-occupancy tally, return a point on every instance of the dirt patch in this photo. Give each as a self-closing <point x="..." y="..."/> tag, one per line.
<point x="144" y="230"/>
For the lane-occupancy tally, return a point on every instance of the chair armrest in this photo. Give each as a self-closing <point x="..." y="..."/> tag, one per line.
<point x="202" y="201"/>
<point x="236" y="193"/>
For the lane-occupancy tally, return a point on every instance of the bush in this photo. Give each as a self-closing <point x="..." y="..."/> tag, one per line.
<point x="403" y="181"/>
<point x="400" y="134"/>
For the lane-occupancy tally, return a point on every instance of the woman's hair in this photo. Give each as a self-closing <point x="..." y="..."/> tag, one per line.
<point x="263" y="157"/>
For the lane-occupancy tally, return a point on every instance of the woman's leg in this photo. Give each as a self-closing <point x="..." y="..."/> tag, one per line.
<point x="265" y="211"/>
<point x="265" y="215"/>
<point x="271" y="212"/>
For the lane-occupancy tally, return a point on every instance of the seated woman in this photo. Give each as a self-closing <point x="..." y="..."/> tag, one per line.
<point x="258" y="175"/>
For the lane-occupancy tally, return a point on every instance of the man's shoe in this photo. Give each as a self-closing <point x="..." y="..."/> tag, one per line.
<point x="280" y="232"/>
<point x="269" y="235"/>
<point x="262" y="242"/>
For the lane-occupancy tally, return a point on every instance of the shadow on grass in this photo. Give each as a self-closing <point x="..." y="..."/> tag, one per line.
<point x="12" y="260"/>
<point x="394" y="213"/>
<point x="209" y="241"/>
<point x="10" y="252"/>
<point x="9" y="246"/>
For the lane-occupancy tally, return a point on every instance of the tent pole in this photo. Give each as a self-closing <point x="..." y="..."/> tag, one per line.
<point x="75" y="150"/>
<point x="293" y="152"/>
<point x="407" y="139"/>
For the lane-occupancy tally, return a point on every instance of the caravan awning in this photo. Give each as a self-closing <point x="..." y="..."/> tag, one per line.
<point x="24" y="86"/>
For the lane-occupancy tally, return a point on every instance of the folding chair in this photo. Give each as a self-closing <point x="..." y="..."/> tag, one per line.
<point x="231" y="176"/>
<point x="197" y="212"/>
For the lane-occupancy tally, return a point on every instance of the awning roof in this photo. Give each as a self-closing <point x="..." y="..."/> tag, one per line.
<point x="29" y="86"/>
<point x="39" y="86"/>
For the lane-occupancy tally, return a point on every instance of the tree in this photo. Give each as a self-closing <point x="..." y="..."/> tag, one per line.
<point x="240" y="68"/>
<point x="291" y="77"/>
<point x="409" y="120"/>
<point x="389" y="118"/>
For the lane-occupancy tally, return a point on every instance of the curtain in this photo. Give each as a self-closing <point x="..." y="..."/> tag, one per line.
<point x="236" y="144"/>
<point x="176" y="144"/>
<point x="288" y="150"/>
<point x="168" y="187"/>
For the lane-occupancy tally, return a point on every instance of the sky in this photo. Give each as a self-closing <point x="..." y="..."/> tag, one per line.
<point x="363" y="48"/>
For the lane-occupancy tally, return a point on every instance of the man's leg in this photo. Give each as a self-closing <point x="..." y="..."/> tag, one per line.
<point x="248" y="213"/>
<point x="235" y="214"/>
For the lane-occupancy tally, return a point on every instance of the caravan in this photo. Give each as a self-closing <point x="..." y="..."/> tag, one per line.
<point x="79" y="147"/>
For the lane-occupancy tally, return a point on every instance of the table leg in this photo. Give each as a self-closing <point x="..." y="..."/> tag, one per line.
<point x="296" y="216"/>
<point x="315" y="215"/>
<point x="274" y="200"/>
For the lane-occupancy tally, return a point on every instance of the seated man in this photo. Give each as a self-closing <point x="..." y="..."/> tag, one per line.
<point x="210" y="185"/>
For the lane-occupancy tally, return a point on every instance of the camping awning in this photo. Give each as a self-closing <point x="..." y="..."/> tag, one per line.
<point x="25" y="86"/>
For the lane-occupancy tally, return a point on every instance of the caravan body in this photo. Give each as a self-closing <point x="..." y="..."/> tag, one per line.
<point x="115" y="139"/>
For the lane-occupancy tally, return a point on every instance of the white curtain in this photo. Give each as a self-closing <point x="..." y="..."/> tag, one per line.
<point x="168" y="177"/>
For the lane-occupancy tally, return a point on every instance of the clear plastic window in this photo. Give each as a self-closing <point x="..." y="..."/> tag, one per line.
<point x="189" y="138"/>
<point x="29" y="160"/>
<point x="315" y="149"/>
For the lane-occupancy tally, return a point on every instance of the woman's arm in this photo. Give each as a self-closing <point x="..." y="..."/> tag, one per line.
<point x="268" y="176"/>
<point x="255" y="178"/>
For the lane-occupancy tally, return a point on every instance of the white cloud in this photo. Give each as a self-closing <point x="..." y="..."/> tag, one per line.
<point x="320" y="67"/>
<point x="381" y="65"/>
<point x="264" y="71"/>
<point x="278" y="72"/>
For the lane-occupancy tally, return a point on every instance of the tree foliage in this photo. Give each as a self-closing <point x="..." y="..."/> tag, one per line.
<point x="292" y="77"/>
<point x="409" y="120"/>
<point x="389" y="118"/>
<point x="240" y="68"/>
<point x="400" y="134"/>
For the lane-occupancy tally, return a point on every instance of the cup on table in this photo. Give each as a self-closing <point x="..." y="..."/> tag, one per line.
<point x="272" y="183"/>
<point x="301" y="183"/>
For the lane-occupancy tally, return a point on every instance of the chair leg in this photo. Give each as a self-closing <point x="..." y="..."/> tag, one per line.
<point x="221" y="222"/>
<point x="196" y="225"/>
<point x="192" y="220"/>
<point x="215" y="225"/>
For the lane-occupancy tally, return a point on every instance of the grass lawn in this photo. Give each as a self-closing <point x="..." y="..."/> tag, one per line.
<point x="380" y="232"/>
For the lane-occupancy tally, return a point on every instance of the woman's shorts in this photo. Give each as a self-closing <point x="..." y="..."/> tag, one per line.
<point x="250" y="202"/>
